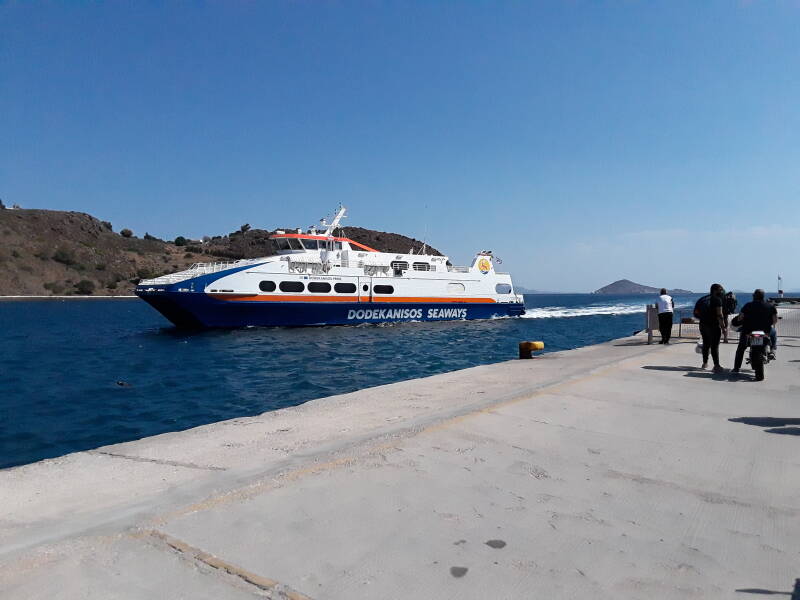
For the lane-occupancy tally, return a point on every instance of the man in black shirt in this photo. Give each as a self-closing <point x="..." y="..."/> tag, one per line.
<point x="757" y="315"/>
<point x="712" y="324"/>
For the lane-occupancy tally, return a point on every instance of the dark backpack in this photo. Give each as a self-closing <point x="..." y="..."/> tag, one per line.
<point x="730" y="303"/>
<point x="702" y="308"/>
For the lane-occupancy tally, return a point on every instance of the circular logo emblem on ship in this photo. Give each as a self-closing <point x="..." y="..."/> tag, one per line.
<point x="484" y="266"/>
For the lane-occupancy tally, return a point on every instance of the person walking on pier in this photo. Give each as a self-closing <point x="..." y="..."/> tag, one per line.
<point x="666" y="307"/>
<point x="712" y="323"/>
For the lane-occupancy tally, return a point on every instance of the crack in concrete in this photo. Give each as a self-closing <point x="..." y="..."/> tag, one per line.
<point x="275" y="589"/>
<point x="158" y="461"/>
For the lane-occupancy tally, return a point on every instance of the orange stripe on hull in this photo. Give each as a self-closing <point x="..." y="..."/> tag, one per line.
<point x="414" y="299"/>
<point x="362" y="299"/>
<point x="283" y="298"/>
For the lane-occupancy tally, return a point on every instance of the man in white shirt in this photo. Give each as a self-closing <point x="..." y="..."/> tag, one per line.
<point x="666" y="306"/>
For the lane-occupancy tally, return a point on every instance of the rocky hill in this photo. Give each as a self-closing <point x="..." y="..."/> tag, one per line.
<point x="626" y="286"/>
<point x="52" y="253"/>
<point x="253" y="243"/>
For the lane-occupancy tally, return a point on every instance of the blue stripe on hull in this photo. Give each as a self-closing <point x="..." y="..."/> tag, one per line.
<point x="193" y="310"/>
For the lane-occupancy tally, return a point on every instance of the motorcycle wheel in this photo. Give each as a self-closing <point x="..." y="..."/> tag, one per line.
<point x="757" y="362"/>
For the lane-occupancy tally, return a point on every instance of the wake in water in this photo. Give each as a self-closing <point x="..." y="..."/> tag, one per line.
<point x="560" y="312"/>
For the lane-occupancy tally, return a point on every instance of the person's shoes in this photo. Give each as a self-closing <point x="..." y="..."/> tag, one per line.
<point x="735" y="371"/>
<point x="772" y="356"/>
<point x="759" y="378"/>
<point x="704" y="366"/>
<point x="720" y="369"/>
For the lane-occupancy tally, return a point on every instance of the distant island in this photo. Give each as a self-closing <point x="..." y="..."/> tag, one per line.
<point x="58" y="253"/>
<point x="626" y="286"/>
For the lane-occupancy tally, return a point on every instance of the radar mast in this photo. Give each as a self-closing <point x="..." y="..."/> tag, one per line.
<point x="330" y="227"/>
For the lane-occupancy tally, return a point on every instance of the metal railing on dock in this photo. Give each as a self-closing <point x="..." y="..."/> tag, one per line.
<point x="788" y="320"/>
<point x="685" y="326"/>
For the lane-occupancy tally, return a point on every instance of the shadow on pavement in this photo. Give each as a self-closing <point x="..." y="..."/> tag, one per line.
<point x="795" y="595"/>
<point x="776" y="424"/>
<point x="766" y="421"/>
<point x="785" y="430"/>
<point x="643" y="342"/>
<point x="761" y="591"/>
<point x="669" y="368"/>
<point x="698" y="372"/>
<point x="724" y="376"/>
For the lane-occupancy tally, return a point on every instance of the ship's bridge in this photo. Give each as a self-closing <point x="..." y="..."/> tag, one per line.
<point x="288" y="243"/>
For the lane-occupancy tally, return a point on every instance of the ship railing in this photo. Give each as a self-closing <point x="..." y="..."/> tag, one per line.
<point x="196" y="270"/>
<point x="363" y="264"/>
<point x="513" y="299"/>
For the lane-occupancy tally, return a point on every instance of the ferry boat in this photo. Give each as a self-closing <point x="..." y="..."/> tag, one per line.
<point x="317" y="278"/>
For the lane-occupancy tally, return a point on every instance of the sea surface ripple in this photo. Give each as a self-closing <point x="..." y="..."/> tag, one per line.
<point x="79" y="374"/>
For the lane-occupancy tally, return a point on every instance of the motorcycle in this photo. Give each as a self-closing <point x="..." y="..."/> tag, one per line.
<point x="760" y="352"/>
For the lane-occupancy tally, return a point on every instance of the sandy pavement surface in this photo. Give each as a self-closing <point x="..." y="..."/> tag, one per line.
<point x="613" y="471"/>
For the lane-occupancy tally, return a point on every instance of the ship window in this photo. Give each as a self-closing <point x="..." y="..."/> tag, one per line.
<point x="319" y="287"/>
<point x="455" y="288"/>
<point x="383" y="289"/>
<point x="502" y="288"/>
<point x="292" y="286"/>
<point x="294" y="244"/>
<point x="310" y="244"/>
<point x="421" y="266"/>
<point x="283" y="243"/>
<point x="345" y="288"/>
<point x="366" y="287"/>
<point x="337" y="245"/>
<point x="267" y="286"/>
<point x="400" y="265"/>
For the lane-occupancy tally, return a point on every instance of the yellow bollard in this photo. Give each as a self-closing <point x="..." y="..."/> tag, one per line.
<point x="527" y="348"/>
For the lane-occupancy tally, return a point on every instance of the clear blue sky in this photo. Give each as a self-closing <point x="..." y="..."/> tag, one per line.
<point x="581" y="141"/>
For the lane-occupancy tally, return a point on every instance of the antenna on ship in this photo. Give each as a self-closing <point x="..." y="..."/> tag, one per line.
<point x="329" y="227"/>
<point x="425" y="234"/>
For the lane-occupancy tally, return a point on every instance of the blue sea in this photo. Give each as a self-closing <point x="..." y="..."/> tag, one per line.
<point x="78" y="374"/>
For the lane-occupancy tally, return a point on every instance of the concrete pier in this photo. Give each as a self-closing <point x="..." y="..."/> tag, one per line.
<point x="612" y="471"/>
